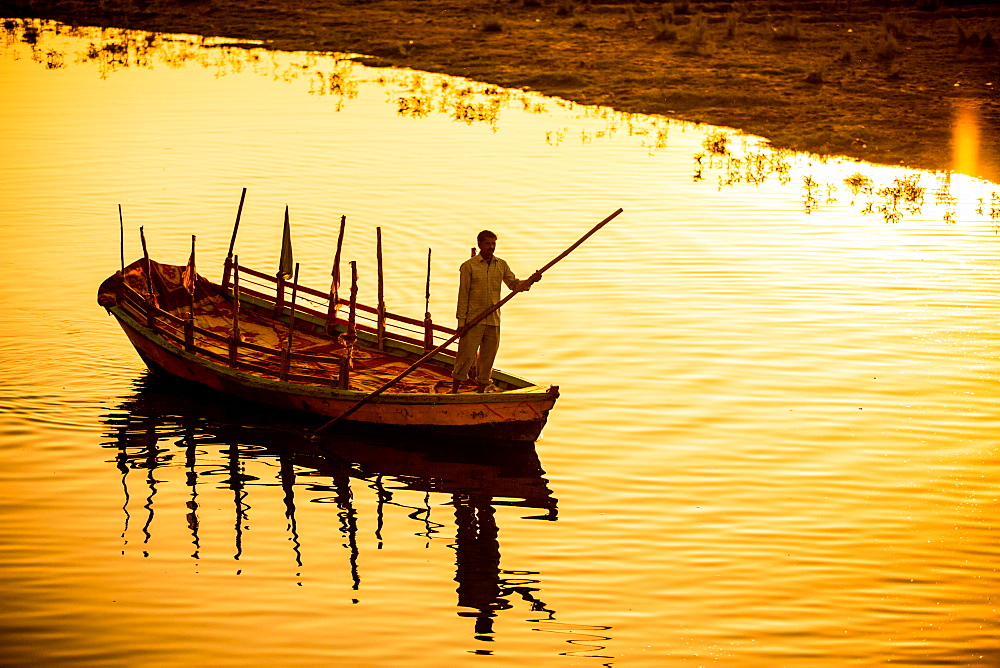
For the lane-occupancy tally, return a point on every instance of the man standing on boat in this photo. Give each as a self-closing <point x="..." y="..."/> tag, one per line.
<point x="478" y="290"/>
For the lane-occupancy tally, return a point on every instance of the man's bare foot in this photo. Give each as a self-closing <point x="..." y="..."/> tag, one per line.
<point x="480" y="387"/>
<point x="454" y="386"/>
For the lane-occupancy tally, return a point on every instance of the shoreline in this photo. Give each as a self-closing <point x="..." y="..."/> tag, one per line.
<point x="838" y="77"/>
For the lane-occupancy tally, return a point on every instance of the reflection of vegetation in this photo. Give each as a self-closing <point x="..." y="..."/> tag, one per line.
<point x="858" y="183"/>
<point x="740" y="160"/>
<point x="752" y="80"/>
<point x="945" y="199"/>
<point x="903" y="196"/>
<point x="338" y="76"/>
<point x="810" y="186"/>
<point x="652" y="131"/>
<point x="415" y="107"/>
<point x="994" y="210"/>
<point x="903" y="193"/>
<point x="338" y="83"/>
<point x="49" y="58"/>
<point x="715" y="143"/>
<point x="743" y="166"/>
<point x="421" y="94"/>
<point x="112" y="50"/>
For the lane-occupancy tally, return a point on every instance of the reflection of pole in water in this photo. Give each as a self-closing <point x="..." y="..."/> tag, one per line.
<point x="428" y="525"/>
<point x="121" y="461"/>
<point x="150" y="465"/>
<point x="143" y="437"/>
<point x="348" y="520"/>
<point x="236" y="484"/>
<point x="190" y="461"/>
<point x="287" y="473"/>
<point x="382" y="496"/>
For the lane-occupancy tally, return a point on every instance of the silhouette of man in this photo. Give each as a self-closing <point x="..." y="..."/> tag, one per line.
<point x="479" y="289"/>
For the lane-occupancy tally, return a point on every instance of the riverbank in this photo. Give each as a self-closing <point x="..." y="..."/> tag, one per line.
<point x="846" y="77"/>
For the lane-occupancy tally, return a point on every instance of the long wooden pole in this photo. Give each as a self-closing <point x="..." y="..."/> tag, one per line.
<point x="284" y="266"/>
<point x="189" y="321"/>
<point x="194" y="274"/>
<point x="120" y="293"/>
<point x="352" y="332"/>
<point x="344" y="381"/>
<point x="234" y="339"/>
<point x="380" y="324"/>
<point x="232" y="243"/>
<point x="121" y="235"/>
<point x="287" y="357"/>
<point x="475" y="321"/>
<point x="428" y="324"/>
<point x="152" y="304"/>
<point x="331" y="315"/>
<point x="427" y="288"/>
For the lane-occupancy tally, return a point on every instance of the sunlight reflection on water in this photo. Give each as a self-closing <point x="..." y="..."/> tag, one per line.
<point x="775" y="444"/>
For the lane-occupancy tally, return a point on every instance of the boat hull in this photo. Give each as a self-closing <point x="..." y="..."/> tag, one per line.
<point x="506" y="416"/>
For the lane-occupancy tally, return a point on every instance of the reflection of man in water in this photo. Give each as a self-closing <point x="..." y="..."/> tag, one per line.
<point x="479" y="289"/>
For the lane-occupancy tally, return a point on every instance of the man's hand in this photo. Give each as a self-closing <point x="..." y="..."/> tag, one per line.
<point x="531" y="280"/>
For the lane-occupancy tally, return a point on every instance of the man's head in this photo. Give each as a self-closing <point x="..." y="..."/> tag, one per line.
<point x="487" y="244"/>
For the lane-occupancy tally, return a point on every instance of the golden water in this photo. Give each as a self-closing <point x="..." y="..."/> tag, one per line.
<point x="776" y="442"/>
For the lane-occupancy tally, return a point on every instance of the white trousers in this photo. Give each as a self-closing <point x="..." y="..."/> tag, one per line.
<point x="479" y="346"/>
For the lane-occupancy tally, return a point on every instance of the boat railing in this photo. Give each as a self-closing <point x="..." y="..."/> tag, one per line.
<point x="276" y="291"/>
<point x="223" y="348"/>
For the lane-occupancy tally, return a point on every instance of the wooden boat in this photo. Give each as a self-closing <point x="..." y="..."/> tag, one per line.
<point x="245" y="338"/>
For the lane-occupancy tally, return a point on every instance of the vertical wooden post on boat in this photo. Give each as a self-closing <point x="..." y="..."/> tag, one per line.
<point x="279" y="295"/>
<point x="232" y="243"/>
<point x="284" y="265"/>
<point x="331" y="314"/>
<point x="428" y="325"/>
<point x="121" y="235"/>
<point x="234" y="337"/>
<point x="287" y="352"/>
<point x="352" y="333"/>
<point x="189" y="282"/>
<point x="380" y="330"/>
<point x="151" y="298"/>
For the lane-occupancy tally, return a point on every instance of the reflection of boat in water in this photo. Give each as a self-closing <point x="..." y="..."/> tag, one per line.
<point x="202" y="438"/>
<point x="511" y="476"/>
